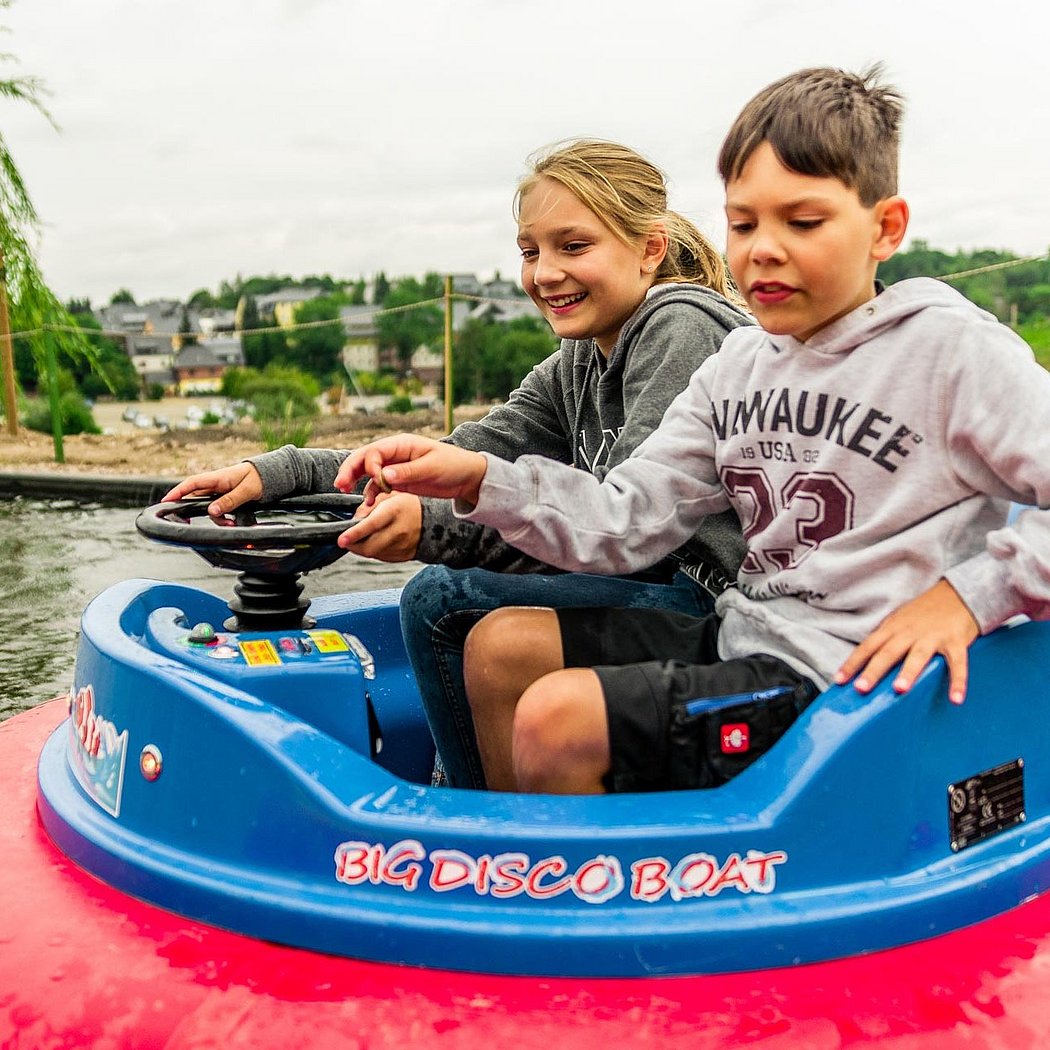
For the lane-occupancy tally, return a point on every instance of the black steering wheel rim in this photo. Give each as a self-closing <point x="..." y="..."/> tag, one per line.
<point x="174" y="523"/>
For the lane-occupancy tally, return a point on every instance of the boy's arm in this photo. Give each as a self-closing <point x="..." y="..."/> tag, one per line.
<point x="645" y="508"/>
<point x="414" y="464"/>
<point x="935" y="622"/>
<point x="1002" y="453"/>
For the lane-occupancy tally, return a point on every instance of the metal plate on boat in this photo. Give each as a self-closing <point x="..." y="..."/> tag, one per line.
<point x="986" y="803"/>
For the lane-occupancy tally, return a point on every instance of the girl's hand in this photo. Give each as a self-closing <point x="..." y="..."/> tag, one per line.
<point x="935" y="622"/>
<point x="388" y="530"/>
<point x="238" y="484"/>
<point x="407" y="463"/>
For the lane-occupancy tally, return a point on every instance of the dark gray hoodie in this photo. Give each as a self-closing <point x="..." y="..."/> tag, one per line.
<point x="575" y="407"/>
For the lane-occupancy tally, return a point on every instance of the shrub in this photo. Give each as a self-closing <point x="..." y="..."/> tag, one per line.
<point x="277" y="400"/>
<point x="1037" y="335"/>
<point x="375" y="383"/>
<point x="280" y="393"/>
<point x="74" y="413"/>
<point x="401" y="403"/>
<point x="289" y="429"/>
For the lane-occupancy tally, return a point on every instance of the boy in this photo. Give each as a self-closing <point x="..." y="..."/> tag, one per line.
<point x="869" y="442"/>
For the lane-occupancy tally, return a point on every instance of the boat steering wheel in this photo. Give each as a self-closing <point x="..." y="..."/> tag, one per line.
<point x="269" y="544"/>
<point x="295" y="534"/>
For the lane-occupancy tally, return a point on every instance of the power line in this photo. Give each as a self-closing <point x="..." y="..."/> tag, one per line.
<point x="992" y="266"/>
<point x="381" y="311"/>
<point x="296" y="327"/>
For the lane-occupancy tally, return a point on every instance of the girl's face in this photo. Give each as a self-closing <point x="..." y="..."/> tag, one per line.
<point x="585" y="280"/>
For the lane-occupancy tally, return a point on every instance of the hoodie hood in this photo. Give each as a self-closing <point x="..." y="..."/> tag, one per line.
<point x="886" y="310"/>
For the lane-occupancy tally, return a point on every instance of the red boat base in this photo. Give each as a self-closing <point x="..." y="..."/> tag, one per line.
<point x="82" y="965"/>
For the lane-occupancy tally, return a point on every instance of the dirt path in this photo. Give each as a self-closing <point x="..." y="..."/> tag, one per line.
<point x="153" y="453"/>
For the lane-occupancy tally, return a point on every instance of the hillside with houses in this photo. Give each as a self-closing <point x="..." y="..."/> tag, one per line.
<point x="187" y="348"/>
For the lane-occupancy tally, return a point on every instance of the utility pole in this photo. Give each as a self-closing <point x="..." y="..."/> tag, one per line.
<point x="8" y="355"/>
<point x="448" y="353"/>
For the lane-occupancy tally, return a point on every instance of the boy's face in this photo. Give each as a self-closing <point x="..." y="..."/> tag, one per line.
<point x="802" y="249"/>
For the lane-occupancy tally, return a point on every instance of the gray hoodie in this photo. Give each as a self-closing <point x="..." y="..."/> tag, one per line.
<point x="575" y="407"/>
<point x="866" y="464"/>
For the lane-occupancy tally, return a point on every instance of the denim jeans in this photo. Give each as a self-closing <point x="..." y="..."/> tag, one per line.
<point x="440" y="605"/>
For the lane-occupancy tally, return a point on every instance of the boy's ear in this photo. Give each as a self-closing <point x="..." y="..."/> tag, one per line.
<point x="891" y="213"/>
<point x="656" y="243"/>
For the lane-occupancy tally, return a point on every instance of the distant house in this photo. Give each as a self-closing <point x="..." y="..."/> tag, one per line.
<point x="363" y="353"/>
<point x="150" y="334"/>
<point x="153" y="339"/>
<point x="201" y="366"/>
<point x="213" y="321"/>
<point x="283" y="304"/>
<point x="361" y="349"/>
<point x="505" y="311"/>
<point x="428" y="364"/>
<point x="466" y="284"/>
<point x="499" y="288"/>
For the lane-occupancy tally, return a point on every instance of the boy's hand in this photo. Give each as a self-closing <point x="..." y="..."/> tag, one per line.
<point x="407" y="463"/>
<point x="388" y="530"/>
<point x="935" y="622"/>
<point x="237" y="485"/>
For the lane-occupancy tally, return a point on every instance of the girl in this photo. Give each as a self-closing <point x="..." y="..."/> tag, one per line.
<point x="639" y="299"/>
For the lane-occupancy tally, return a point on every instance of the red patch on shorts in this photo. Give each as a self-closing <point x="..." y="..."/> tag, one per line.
<point x="736" y="737"/>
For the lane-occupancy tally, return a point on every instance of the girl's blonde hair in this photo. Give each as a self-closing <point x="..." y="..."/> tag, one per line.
<point x="629" y="194"/>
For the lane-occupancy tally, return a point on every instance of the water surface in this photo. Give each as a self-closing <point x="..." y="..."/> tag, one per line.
<point x="56" y="556"/>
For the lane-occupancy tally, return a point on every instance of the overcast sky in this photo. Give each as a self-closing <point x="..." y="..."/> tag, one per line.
<point x="205" y="138"/>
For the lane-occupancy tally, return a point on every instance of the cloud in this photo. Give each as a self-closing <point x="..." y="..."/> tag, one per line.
<point x="202" y="140"/>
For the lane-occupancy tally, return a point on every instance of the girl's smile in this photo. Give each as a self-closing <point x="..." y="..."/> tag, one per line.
<point x="564" y="303"/>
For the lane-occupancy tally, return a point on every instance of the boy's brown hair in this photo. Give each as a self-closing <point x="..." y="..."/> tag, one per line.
<point x="824" y="122"/>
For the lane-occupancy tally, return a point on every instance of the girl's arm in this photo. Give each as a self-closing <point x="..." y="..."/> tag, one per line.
<point x="532" y="420"/>
<point x="291" y="471"/>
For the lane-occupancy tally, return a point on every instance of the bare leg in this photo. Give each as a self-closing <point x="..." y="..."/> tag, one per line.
<point x="561" y="735"/>
<point x="506" y="652"/>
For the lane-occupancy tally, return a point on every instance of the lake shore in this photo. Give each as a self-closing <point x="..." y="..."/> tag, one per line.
<point x="175" y="454"/>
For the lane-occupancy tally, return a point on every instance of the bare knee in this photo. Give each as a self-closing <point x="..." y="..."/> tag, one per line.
<point x="512" y="647"/>
<point x="560" y="741"/>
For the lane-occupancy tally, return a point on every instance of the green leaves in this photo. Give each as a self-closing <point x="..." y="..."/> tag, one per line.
<point x="34" y="309"/>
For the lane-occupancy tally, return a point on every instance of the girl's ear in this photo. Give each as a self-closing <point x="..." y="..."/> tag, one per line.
<point x="655" y="249"/>
<point x="892" y="217"/>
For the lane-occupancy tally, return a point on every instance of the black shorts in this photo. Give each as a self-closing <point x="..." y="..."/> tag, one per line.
<point x="679" y="717"/>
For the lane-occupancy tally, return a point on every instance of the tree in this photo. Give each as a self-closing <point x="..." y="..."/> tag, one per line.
<point x="113" y="374"/>
<point x="122" y="295"/>
<point x="408" y="329"/>
<point x="33" y="306"/>
<point x="380" y="289"/>
<point x="261" y="347"/>
<point x="318" y="350"/>
<point x="491" y="359"/>
<point x="186" y="332"/>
